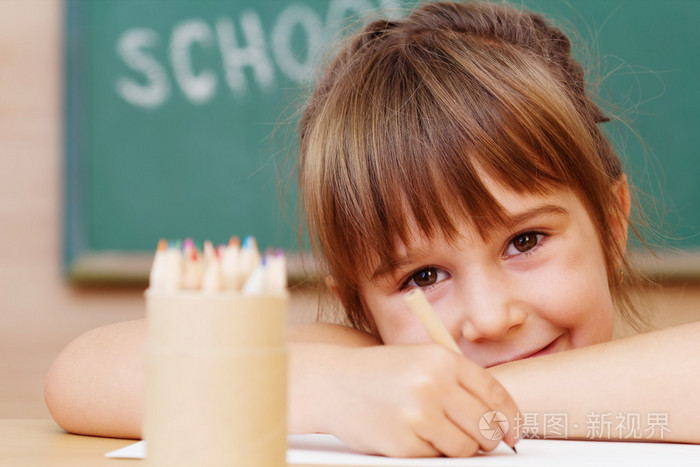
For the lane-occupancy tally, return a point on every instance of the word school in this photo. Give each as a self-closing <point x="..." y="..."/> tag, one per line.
<point x="147" y="83"/>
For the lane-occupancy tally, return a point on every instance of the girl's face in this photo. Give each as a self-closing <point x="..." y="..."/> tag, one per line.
<point x="535" y="287"/>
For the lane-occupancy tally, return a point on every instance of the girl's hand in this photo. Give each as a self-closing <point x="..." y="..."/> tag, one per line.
<point x="412" y="401"/>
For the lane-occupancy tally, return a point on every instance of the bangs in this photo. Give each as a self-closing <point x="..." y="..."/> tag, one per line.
<point x="417" y="136"/>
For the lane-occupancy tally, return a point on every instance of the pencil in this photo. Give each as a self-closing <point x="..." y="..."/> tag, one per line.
<point x="255" y="282"/>
<point x="424" y="312"/>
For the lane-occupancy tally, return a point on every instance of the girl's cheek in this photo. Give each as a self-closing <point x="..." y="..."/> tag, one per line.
<point x="581" y="303"/>
<point x="560" y="296"/>
<point x="395" y="321"/>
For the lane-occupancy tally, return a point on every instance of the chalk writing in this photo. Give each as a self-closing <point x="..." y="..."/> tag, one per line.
<point x="242" y="45"/>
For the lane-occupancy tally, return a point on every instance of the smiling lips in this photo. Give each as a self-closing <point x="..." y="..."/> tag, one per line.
<point x="543" y="351"/>
<point x="549" y="348"/>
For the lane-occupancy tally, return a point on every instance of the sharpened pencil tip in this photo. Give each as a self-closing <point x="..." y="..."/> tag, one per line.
<point x="514" y="450"/>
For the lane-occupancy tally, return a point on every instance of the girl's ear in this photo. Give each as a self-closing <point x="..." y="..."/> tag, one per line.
<point x="619" y="217"/>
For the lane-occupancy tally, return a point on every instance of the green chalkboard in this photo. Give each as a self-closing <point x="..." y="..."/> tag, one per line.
<point x="178" y="117"/>
<point x="179" y="114"/>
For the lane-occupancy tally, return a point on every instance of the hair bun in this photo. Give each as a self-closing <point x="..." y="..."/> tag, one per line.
<point x="523" y="29"/>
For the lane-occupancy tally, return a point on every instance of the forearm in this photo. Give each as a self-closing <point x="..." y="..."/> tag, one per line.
<point x="95" y="385"/>
<point x="308" y="389"/>
<point x="315" y="350"/>
<point x="602" y="391"/>
<point x="326" y="333"/>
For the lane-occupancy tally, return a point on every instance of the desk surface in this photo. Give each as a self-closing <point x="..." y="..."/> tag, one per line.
<point x="41" y="443"/>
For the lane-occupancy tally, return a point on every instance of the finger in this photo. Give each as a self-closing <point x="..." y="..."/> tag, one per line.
<point x="419" y="448"/>
<point x="484" y="387"/>
<point x="416" y="447"/>
<point x="401" y="442"/>
<point x="448" y="438"/>
<point x="466" y="412"/>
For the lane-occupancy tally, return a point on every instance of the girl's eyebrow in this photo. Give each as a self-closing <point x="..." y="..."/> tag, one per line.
<point x="511" y="222"/>
<point x="514" y="220"/>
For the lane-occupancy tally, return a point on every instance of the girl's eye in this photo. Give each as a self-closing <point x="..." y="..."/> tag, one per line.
<point x="523" y="243"/>
<point x="426" y="277"/>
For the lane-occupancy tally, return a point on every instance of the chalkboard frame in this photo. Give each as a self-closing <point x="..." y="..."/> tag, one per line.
<point x="80" y="264"/>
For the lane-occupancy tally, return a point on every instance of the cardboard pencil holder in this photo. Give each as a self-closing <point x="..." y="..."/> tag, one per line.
<point x="216" y="380"/>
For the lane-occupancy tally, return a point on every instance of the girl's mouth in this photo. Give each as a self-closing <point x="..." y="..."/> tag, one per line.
<point x="547" y="349"/>
<point x="544" y="350"/>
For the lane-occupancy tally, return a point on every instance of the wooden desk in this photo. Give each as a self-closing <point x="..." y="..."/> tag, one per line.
<point x="41" y="443"/>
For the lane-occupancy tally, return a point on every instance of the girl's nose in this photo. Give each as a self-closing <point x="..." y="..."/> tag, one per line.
<point x="491" y="312"/>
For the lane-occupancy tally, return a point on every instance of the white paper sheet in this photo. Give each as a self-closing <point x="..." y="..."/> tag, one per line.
<point x="327" y="450"/>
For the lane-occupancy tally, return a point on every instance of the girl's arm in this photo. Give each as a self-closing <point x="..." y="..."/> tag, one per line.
<point x="394" y="400"/>
<point x="637" y="388"/>
<point x="327" y="333"/>
<point x="95" y="385"/>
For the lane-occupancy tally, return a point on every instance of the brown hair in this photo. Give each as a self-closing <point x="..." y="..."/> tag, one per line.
<point x="422" y="106"/>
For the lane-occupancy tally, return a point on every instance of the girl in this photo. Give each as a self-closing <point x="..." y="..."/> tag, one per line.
<point x="457" y="151"/>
